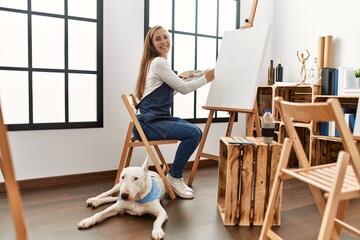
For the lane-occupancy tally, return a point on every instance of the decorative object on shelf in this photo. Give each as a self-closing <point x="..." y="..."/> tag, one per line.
<point x="302" y="59"/>
<point x="357" y="78"/>
<point x="314" y="74"/>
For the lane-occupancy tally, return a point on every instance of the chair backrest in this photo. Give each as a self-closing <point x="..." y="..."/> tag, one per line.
<point x="131" y="106"/>
<point x="318" y="112"/>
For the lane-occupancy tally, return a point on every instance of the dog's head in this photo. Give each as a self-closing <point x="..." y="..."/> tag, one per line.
<point x="134" y="182"/>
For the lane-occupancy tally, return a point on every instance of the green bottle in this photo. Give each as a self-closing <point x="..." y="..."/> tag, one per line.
<point x="271" y="73"/>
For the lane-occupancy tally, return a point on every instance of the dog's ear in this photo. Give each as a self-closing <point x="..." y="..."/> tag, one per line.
<point x="145" y="165"/>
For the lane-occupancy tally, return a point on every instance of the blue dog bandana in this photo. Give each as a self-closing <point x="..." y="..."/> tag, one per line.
<point x="154" y="193"/>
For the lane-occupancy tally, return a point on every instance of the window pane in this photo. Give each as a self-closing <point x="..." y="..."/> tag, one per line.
<point x="81" y="8"/>
<point x="14" y="96"/>
<point x="227" y="16"/>
<point x="184" y="105"/>
<point x="82" y="45"/>
<point x="165" y="8"/>
<point x="53" y="6"/>
<point x="49" y="97"/>
<point x="185" y="15"/>
<point x="82" y="97"/>
<point x="13" y="40"/>
<point x="17" y="4"/>
<point x="184" y="54"/>
<point x="207" y="17"/>
<point x="48" y="42"/>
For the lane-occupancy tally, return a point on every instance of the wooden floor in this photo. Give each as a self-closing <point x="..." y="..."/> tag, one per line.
<point x="53" y="213"/>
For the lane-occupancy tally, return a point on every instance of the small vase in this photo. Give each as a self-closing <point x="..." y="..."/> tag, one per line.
<point x="357" y="82"/>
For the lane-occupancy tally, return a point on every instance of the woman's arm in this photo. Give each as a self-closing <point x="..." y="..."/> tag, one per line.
<point x="161" y="68"/>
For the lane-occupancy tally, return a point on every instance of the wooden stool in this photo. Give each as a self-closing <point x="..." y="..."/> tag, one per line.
<point x="247" y="168"/>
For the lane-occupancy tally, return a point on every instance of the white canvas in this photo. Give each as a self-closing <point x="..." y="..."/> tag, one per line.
<point x="237" y="70"/>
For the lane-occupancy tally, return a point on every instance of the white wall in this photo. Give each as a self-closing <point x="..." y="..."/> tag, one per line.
<point x="297" y="24"/>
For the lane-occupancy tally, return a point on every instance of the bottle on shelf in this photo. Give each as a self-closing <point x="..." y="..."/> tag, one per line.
<point x="271" y="73"/>
<point x="267" y="127"/>
<point x="279" y="71"/>
<point x="317" y="72"/>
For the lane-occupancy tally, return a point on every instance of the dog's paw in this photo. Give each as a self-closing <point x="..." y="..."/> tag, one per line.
<point x="86" y="223"/>
<point x="92" y="202"/>
<point x="157" y="234"/>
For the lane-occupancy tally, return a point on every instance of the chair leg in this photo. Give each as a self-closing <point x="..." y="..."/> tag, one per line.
<point x="11" y="185"/>
<point x="128" y="157"/>
<point x="161" y="173"/>
<point x="276" y="190"/>
<point x="162" y="159"/>
<point x="124" y="153"/>
<point x="327" y="225"/>
<point x="342" y="209"/>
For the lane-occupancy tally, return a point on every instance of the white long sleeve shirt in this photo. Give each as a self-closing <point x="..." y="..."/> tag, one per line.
<point x="160" y="72"/>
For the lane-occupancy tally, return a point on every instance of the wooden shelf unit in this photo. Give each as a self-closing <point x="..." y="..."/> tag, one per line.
<point x="326" y="148"/>
<point x="300" y="93"/>
<point x="321" y="149"/>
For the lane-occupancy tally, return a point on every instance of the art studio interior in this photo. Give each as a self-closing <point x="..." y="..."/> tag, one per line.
<point x="269" y="90"/>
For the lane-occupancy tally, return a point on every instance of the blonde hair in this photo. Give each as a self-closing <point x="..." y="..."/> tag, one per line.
<point x="149" y="53"/>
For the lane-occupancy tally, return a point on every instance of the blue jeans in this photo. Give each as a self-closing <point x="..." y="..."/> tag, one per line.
<point x="189" y="135"/>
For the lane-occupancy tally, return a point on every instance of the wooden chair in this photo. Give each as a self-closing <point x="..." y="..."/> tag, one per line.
<point x="332" y="185"/>
<point x="12" y="187"/>
<point x="130" y="143"/>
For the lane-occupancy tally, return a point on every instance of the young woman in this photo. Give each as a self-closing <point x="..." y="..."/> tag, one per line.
<point x="155" y="87"/>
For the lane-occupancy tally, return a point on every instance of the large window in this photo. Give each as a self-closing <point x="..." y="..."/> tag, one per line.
<point x="51" y="63"/>
<point x="196" y="28"/>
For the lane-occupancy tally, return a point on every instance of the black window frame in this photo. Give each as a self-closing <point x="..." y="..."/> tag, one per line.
<point x="99" y="72"/>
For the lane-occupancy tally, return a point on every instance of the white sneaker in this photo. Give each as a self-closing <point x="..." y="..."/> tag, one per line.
<point x="179" y="187"/>
<point x="189" y="189"/>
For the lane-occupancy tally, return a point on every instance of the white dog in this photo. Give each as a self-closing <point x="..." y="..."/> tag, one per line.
<point x="140" y="192"/>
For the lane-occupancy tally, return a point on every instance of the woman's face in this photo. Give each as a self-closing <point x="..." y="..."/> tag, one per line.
<point x="161" y="42"/>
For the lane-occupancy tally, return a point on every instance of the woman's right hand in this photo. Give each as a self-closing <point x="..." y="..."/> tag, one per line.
<point x="209" y="75"/>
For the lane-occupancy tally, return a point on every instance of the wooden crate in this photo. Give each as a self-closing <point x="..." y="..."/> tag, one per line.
<point x="301" y="93"/>
<point x="325" y="150"/>
<point x="246" y="175"/>
<point x="304" y="133"/>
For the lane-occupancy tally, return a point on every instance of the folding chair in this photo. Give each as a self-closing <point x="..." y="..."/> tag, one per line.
<point x="12" y="187"/>
<point x="332" y="185"/>
<point x="130" y="142"/>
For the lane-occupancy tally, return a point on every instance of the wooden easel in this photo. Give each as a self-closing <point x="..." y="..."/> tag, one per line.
<point x="249" y="22"/>
<point x="252" y="116"/>
<point x="12" y="187"/>
<point x="252" y="119"/>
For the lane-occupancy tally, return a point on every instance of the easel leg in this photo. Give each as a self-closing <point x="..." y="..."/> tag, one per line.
<point x="201" y="147"/>
<point x="230" y="124"/>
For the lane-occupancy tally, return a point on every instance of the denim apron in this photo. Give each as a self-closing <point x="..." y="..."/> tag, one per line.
<point x="155" y="110"/>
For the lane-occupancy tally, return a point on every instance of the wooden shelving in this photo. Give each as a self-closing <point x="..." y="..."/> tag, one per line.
<point x="321" y="149"/>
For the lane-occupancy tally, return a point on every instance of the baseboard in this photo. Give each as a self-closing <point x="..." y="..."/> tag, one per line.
<point x="85" y="177"/>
